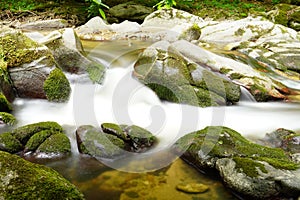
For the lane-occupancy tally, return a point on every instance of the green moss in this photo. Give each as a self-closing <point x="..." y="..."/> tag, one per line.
<point x="57" y="87"/>
<point x="19" y="49"/>
<point x="7" y="118"/>
<point x="207" y="98"/>
<point x="239" y="32"/>
<point x="192" y="33"/>
<point x="25" y="132"/>
<point x="114" y="129"/>
<point x="57" y="143"/>
<point x="224" y="70"/>
<point x="5" y="106"/>
<point x="96" y="72"/>
<point x="249" y="166"/>
<point x="21" y="179"/>
<point x="139" y="136"/>
<point x="225" y="142"/>
<point x="259" y="92"/>
<point x="236" y="76"/>
<point x="9" y="143"/>
<point x="37" y="139"/>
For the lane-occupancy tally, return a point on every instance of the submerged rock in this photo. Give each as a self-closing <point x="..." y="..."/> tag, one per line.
<point x="175" y="78"/>
<point x="113" y="141"/>
<point x="249" y="169"/>
<point x="22" y="179"/>
<point x="192" y="187"/>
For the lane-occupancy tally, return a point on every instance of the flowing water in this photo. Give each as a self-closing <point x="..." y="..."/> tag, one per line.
<point x="123" y="100"/>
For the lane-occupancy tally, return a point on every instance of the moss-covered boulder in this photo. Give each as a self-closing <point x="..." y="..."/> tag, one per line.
<point x="7" y="118"/>
<point x="28" y="63"/>
<point x="192" y="33"/>
<point x="251" y="170"/>
<point x="24" y="180"/>
<point x="113" y="141"/>
<point x="70" y="56"/>
<point x="9" y="143"/>
<point x="128" y="11"/>
<point x="96" y="143"/>
<point x="43" y="139"/>
<point x="24" y="133"/>
<point x="174" y="78"/>
<point x="57" y="87"/>
<point x="6" y="85"/>
<point x="57" y="144"/>
<point x="5" y="105"/>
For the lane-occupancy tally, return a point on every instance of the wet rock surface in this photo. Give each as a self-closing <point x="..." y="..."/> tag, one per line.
<point x="251" y="170"/>
<point x="113" y="141"/>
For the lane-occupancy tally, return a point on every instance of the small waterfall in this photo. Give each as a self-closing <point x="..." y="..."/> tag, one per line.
<point x="246" y="95"/>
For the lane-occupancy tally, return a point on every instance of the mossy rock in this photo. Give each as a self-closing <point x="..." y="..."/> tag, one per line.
<point x="249" y="169"/>
<point x="19" y="49"/>
<point x="9" y="143"/>
<point x="6" y="85"/>
<point x="192" y="33"/>
<point x="37" y="139"/>
<point x="24" y="133"/>
<point x="7" y="118"/>
<point x="114" y="129"/>
<point x="24" y="180"/>
<point x="5" y="105"/>
<point x="57" y="86"/>
<point x="98" y="144"/>
<point x="55" y="144"/>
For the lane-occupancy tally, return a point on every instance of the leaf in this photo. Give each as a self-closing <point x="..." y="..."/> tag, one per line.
<point x="102" y="13"/>
<point x="97" y="1"/>
<point x="104" y="5"/>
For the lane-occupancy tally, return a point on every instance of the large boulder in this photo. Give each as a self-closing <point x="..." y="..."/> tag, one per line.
<point x="175" y="78"/>
<point x="249" y="169"/>
<point x="21" y="179"/>
<point x="129" y="11"/>
<point x="70" y="56"/>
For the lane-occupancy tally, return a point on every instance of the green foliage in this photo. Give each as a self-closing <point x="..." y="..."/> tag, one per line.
<point x="96" y="6"/>
<point x="165" y="4"/>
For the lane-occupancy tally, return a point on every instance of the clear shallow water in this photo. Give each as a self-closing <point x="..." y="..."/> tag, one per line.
<point x="123" y="100"/>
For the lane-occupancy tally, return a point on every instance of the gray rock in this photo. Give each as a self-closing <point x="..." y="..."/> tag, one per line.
<point x="130" y="11"/>
<point x="44" y="24"/>
<point x="70" y="56"/>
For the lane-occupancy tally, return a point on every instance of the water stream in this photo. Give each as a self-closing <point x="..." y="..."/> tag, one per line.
<point x="123" y="100"/>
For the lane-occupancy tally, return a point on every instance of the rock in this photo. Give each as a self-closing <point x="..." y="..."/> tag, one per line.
<point x="192" y="187"/>
<point x="113" y="141"/>
<point x="98" y="144"/>
<point x="175" y="78"/>
<point x="37" y="139"/>
<point x="24" y="133"/>
<point x="140" y="138"/>
<point x="6" y="85"/>
<point x="285" y="139"/>
<point x="21" y="178"/>
<point x="44" y="24"/>
<point x="57" y="145"/>
<point x="28" y="63"/>
<point x="70" y="56"/>
<point x="5" y="105"/>
<point x="192" y="33"/>
<point x="129" y="11"/>
<point x="286" y="15"/>
<point x="9" y="143"/>
<point x="7" y="118"/>
<point x="249" y="169"/>
<point x="57" y="87"/>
